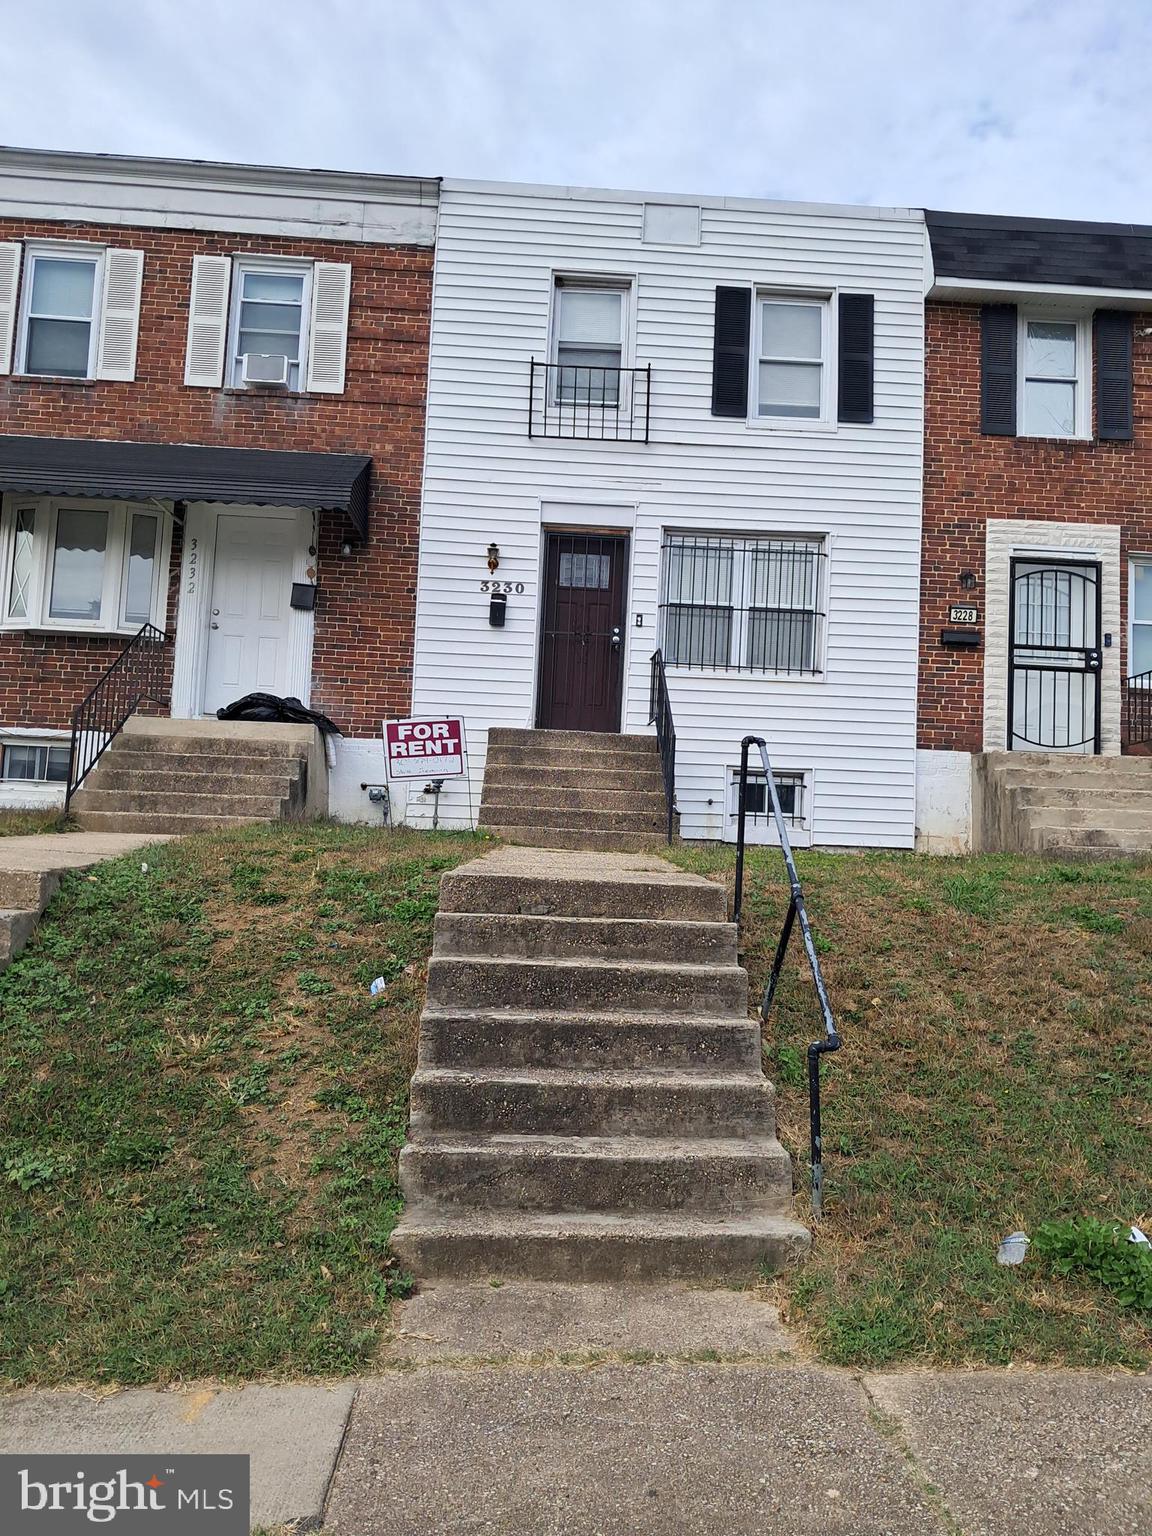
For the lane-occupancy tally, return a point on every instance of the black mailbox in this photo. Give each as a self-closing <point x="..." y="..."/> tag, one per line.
<point x="968" y="639"/>
<point x="497" y="608"/>
<point x="304" y="595"/>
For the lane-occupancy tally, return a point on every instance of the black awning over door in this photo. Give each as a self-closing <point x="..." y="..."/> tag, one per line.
<point x="67" y="466"/>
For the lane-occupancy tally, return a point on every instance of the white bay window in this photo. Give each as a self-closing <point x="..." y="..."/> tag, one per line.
<point x="82" y="566"/>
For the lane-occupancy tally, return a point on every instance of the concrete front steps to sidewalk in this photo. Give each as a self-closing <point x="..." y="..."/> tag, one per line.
<point x="573" y="789"/>
<point x="589" y="1102"/>
<point x="177" y="776"/>
<point x="1064" y="805"/>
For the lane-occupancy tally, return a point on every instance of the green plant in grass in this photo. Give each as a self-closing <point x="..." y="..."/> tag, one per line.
<point x="1099" y="1251"/>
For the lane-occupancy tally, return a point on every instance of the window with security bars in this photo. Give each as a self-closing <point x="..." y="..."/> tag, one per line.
<point x="758" y="807"/>
<point x="751" y="604"/>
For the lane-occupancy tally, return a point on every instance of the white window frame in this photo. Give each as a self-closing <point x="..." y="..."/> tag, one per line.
<point x="1133" y="622"/>
<point x="594" y="282"/>
<point x="738" y="638"/>
<point x="40" y="744"/>
<point x="826" y="303"/>
<point x="1082" y="379"/>
<point x="115" y="588"/>
<point x="279" y="267"/>
<point x="762" y="829"/>
<point x="71" y="251"/>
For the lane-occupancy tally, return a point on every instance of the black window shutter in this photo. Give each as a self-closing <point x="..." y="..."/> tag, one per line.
<point x="998" y="370"/>
<point x="730" y="342"/>
<point x="1114" y="374"/>
<point x="855" y="362"/>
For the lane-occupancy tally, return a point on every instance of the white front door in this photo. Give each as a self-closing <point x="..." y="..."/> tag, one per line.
<point x="250" y="613"/>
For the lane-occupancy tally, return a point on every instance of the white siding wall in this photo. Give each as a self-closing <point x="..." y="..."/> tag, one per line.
<point x="498" y="249"/>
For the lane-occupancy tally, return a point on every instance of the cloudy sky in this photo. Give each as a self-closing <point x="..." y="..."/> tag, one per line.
<point x="1026" y="106"/>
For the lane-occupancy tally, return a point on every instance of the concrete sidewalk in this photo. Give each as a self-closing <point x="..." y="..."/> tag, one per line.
<point x="553" y="1410"/>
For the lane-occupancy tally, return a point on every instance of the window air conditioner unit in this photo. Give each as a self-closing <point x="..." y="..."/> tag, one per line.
<point x="264" y="368"/>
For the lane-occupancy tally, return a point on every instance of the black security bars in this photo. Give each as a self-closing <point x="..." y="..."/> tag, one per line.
<point x="590" y="402"/>
<point x="797" y="912"/>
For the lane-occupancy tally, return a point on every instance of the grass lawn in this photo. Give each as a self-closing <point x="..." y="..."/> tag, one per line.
<point x="201" y="1106"/>
<point x="24" y="823"/>
<point x="996" y="1073"/>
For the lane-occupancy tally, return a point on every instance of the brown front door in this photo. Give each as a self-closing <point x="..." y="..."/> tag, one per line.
<point x="582" y="644"/>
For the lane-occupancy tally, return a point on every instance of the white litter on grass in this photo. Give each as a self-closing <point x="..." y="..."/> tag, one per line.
<point x="1014" y="1248"/>
<point x="377" y="986"/>
<point x="1136" y="1236"/>
<point x="143" y="869"/>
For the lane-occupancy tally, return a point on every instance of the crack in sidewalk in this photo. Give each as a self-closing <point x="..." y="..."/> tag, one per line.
<point x="892" y="1429"/>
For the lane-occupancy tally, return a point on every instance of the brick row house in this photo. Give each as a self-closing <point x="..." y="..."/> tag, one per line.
<point x="211" y="421"/>
<point x="1036" y="640"/>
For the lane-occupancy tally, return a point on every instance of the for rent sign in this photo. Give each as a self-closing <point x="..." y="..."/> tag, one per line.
<point x="424" y="749"/>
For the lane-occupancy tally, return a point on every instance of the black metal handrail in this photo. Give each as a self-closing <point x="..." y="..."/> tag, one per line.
<point x="1138" y="708"/>
<point x="133" y="677"/>
<point x="796" y="911"/>
<point x="660" y="715"/>
<point x="583" y="400"/>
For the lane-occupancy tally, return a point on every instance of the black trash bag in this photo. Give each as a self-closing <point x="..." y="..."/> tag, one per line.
<point x="266" y="706"/>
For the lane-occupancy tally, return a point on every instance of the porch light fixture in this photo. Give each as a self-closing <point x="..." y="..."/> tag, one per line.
<point x="967" y="580"/>
<point x="493" y="556"/>
<point x="348" y="549"/>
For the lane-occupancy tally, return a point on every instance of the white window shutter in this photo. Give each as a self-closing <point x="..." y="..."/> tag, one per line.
<point x="208" y="321"/>
<point x="328" y="342"/>
<point x="10" y="252"/>
<point x="120" y="314"/>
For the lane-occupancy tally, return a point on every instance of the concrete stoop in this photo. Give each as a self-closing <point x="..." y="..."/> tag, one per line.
<point x="1063" y="805"/>
<point x="176" y="776"/>
<point x="589" y="1102"/>
<point x="573" y="789"/>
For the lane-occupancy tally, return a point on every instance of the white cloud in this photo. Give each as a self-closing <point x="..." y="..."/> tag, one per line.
<point x="976" y="104"/>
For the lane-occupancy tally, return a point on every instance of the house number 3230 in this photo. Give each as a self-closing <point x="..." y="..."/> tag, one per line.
<point x="501" y="586"/>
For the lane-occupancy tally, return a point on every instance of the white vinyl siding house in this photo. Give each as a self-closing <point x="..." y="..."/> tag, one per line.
<point x="775" y="556"/>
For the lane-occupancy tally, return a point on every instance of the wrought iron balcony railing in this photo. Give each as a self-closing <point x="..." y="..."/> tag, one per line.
<point x="612" y="405"/>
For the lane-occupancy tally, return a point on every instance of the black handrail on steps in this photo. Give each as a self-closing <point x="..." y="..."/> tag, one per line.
<point x="134" y="676"/>
<point x="660" y="715"/>
<point x="796" y="910"/>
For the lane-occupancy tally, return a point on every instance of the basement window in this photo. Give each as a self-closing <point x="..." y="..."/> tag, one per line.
<point x="34" y="762"/>
<point x="794" y="790"/>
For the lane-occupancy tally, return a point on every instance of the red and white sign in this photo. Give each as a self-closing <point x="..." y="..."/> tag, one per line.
<point x="424" y="749"/>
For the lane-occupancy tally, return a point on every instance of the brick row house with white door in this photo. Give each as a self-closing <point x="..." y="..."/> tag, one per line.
<point x="211" y="421"/>
<point x="686" y="429"/>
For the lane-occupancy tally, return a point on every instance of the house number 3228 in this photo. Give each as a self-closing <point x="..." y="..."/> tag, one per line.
<point x="501" y="586"/>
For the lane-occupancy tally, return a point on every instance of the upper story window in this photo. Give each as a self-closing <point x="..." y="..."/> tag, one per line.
<point x="793" y="360"/>
<point x="1053" y="377"/>
<point x="69" y="310"/>
<point x="743" y="604"/>
<point x="61" y="300"/>
<point x="792" y="342"/>
<point x="81" y="566"/>
<point x="269" y="310"/>
<point x="289" y="319"/>
<point x="588" y="346"/>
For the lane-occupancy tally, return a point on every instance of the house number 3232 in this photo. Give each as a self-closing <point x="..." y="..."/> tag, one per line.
<point x="501" y="586"/>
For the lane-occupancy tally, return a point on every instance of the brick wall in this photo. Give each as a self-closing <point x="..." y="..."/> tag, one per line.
<point x="362" y="661"/>
<point x="969" y="478"/>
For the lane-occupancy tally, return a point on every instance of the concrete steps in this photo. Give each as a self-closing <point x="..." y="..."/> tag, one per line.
<point x="1065" y="806"/>
<point x="180" y="776"/>
<point x="597" y="1246"/>
<point x="573" y="789"/>
<point x="589" y="1101"/>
